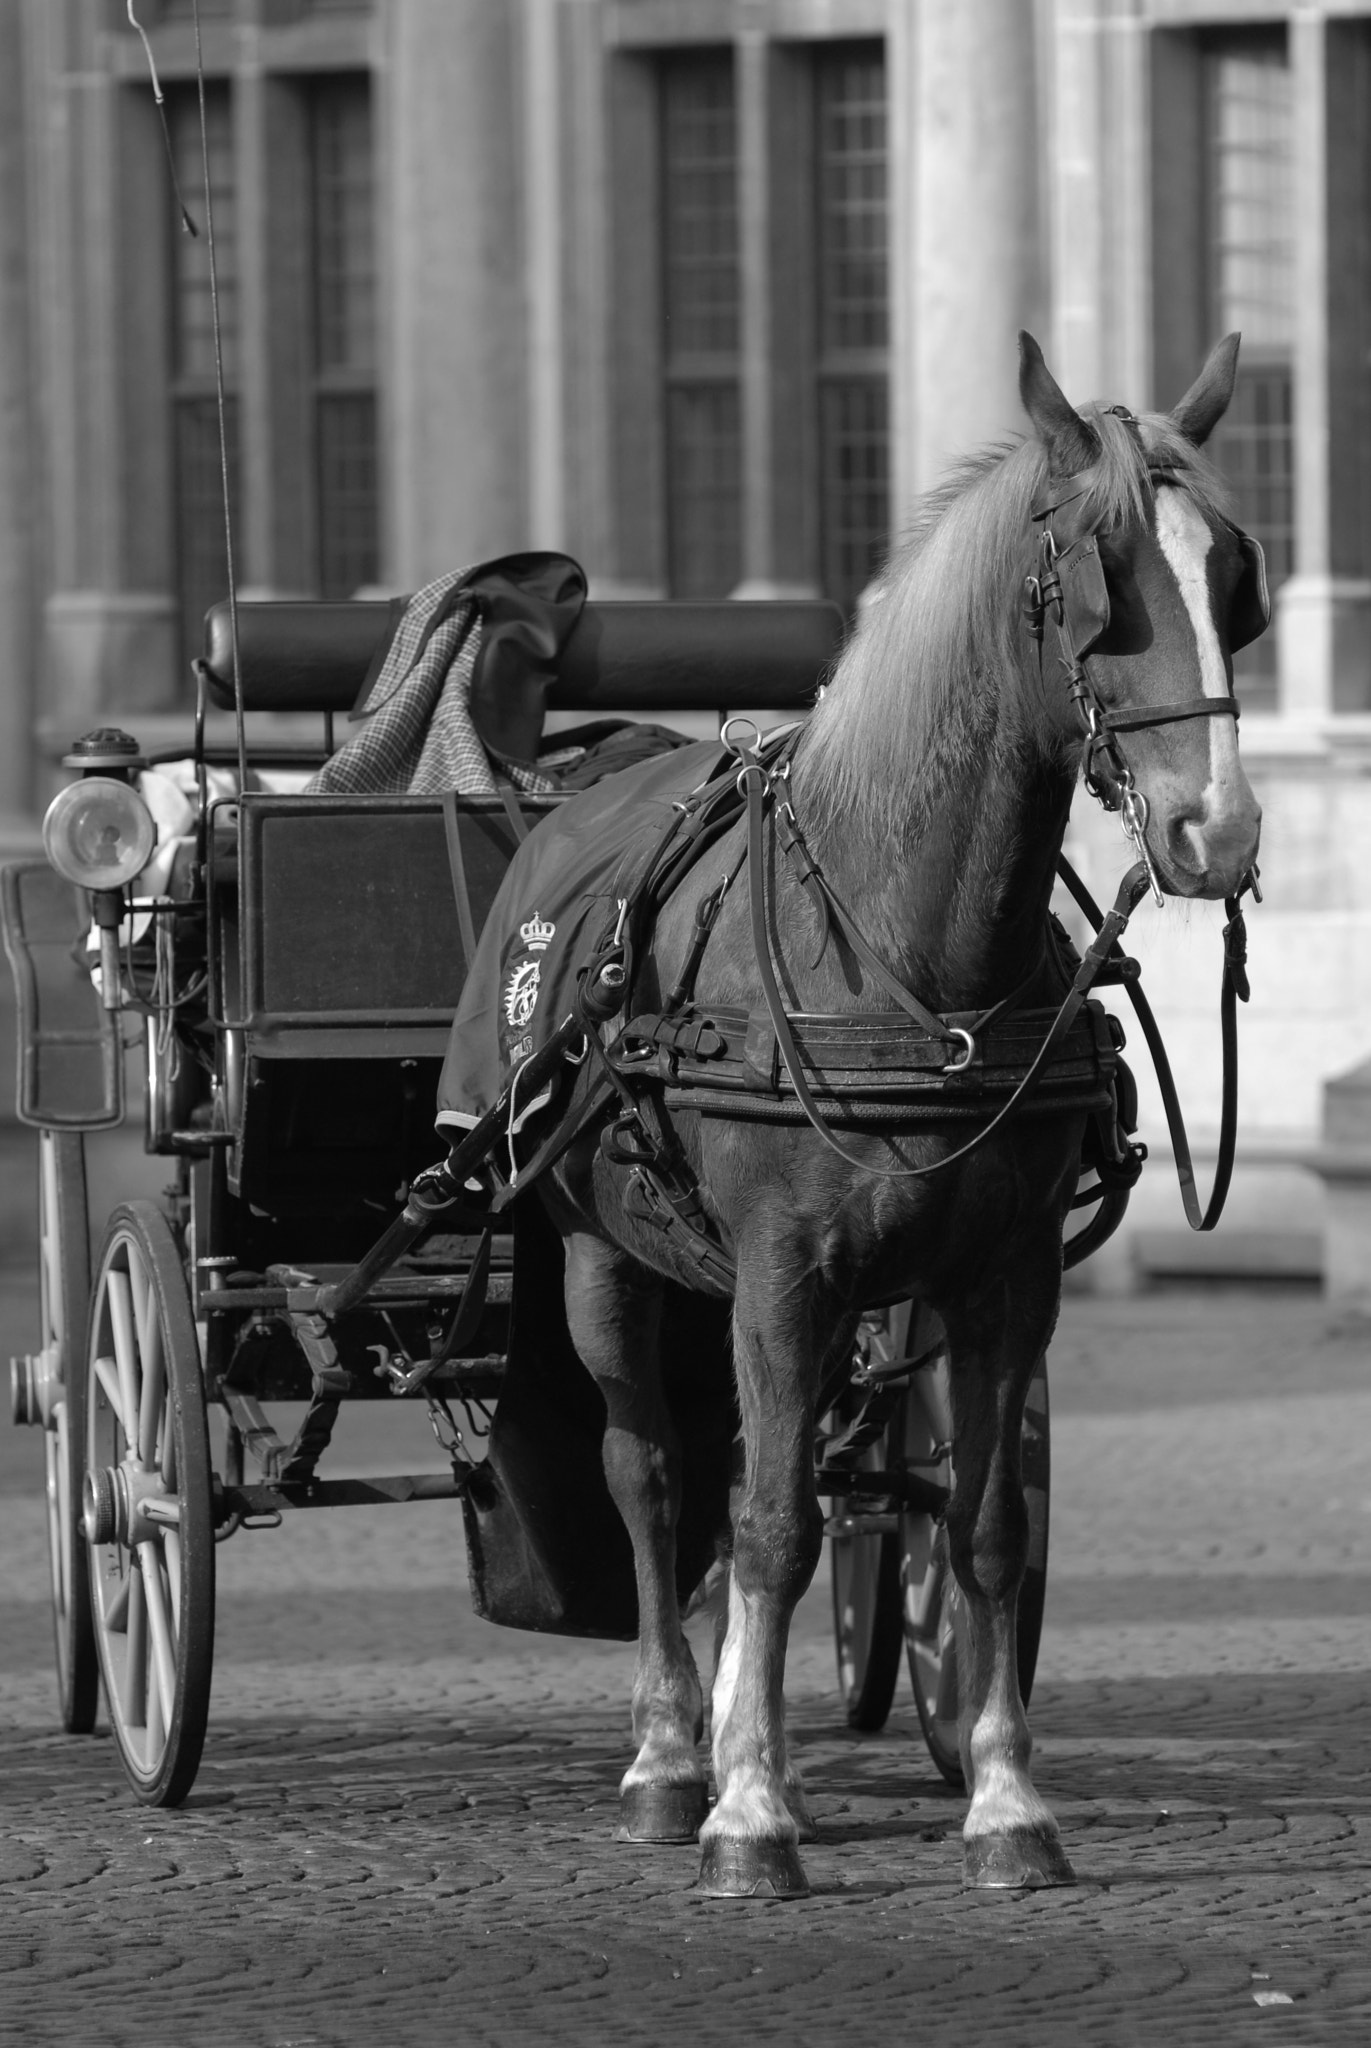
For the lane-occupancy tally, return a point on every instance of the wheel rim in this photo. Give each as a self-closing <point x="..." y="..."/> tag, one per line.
<point x="63" y="1291"/>
<point x="933" y="1608"/>
<point x="865" y="1564"/>
<point x="147" y="1508"/>
<point x="929" y="1595"/>
<point x="857" y="1575"/>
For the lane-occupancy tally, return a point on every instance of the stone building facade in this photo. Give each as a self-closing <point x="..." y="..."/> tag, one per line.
<point x="704" y="291"/>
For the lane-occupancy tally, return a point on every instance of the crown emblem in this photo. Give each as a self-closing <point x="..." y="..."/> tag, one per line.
<point x="537" y="934"/>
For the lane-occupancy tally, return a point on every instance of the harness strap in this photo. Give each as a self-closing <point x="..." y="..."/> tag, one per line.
<point x="457" y="868"/>
<point x="832" y="913"/>
<point x="1233" y="991"/>
<point x="1169" y="714"/>
<point x="756" y="783"/>
<point x="518" y="823"/>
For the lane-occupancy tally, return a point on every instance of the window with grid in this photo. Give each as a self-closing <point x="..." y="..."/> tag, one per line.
<point x="853" y="316"/>
<point x="701" y="325"/>
<point x="344" y="265"/>
<point x="201" y="552"/>
<point x="1251" y="288"/>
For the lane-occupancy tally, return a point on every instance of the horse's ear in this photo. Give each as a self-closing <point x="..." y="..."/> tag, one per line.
<point x="1206" y="402"/>
<point x="1071" y="445"/>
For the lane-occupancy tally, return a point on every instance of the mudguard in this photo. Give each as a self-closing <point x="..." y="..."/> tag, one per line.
<point x="70" y="1049"/>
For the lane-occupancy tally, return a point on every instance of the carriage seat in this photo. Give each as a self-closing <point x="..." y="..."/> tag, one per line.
<point x="411" y="888"/>
<point x="306" y="655"/>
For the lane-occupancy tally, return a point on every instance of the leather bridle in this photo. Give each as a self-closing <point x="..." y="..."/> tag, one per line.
<point x="1068" y="587"/>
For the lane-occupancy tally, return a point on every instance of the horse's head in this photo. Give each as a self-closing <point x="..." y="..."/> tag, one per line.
<point x="1154" y="589"/>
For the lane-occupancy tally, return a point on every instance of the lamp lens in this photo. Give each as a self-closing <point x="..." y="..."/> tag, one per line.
<point x="98" y="833"/>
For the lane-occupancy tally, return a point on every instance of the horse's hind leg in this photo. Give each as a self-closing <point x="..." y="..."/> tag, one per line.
<point x="614" y="1309"/>
<point x="1010" y="1838"/>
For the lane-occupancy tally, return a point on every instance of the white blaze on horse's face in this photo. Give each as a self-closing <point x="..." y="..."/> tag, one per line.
<point x="1205" y="839"/>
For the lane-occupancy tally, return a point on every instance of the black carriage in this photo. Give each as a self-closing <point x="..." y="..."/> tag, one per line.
<point x="293" y="985"/>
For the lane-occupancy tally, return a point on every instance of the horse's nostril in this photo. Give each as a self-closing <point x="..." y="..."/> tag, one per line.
<point x="1184" y="829"/>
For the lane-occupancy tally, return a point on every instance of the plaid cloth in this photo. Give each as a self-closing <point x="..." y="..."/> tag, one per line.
<point x="417" y="737"/>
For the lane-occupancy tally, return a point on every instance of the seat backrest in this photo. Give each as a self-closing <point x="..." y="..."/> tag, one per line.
<point x="299" y="655"/>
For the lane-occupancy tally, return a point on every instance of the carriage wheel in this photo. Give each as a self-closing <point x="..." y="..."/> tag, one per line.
<point x="934" y="1614"/>
<point x="148" y="1507"/>
<point x="865" y="1559"/>
<point x="63" y="1303"/>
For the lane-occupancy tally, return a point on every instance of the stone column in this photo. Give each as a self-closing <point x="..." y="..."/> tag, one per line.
<point x="965" y="219"/>
<point x="1097" y="201"/>
<point x="543" y="246"/>
<point x="1323" y="614"/>
<point x="18" y="494"/>
<point x="1343" y="1163"/>
<point x="587" y="394"/>
<point x="453" y="287"/>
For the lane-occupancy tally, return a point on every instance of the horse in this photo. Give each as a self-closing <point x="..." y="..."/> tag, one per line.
<point x="932" y="782"/>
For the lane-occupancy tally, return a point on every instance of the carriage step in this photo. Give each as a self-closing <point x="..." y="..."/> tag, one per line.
<point x="862" y="1525"/>
<point x="395" y="1292"/>
<point x="270" y="1501"/>
<point x="906" y="1489"/>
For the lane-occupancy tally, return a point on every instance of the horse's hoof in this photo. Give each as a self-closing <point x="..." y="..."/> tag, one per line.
<point x="661" y="1813"/>
<point x="1019" y="1860"/>
<point x="751" y="1870"/>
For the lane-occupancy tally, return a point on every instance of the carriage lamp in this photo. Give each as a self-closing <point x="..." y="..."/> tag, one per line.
<point x="99" y="834"/>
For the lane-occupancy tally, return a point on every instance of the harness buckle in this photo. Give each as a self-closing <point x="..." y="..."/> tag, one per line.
<point x="963" y="1060"/>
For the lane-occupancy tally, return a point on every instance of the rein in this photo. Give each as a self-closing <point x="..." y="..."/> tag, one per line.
<point x="758" y="783"/>
<point x="1234" y="989"/>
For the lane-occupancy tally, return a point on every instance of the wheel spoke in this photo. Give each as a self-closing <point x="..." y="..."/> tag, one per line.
<point x="50" y="1249"/>
<point x="156" y="1733"/>
<point x="945" y="1702"/>
<point x="927" y="1603"/>
<point x="117" y="1611"/>
<point x="125" y="1350"/>
<point x="153" y="1401"/>
<point x="133" y="1692"/>
<point x="171" y="1551"/>
<point x="163" y="1656"/>
<point x="114" y="1393"/>
<point x="62" y="1547"/>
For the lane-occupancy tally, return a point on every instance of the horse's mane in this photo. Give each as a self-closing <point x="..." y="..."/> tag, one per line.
<point x="939" y="659"/>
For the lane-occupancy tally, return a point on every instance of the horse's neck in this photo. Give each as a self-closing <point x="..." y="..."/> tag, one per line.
<point x="958" y="908"/>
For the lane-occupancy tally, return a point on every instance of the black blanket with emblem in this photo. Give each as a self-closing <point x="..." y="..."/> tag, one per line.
<point x="559" y="895"/>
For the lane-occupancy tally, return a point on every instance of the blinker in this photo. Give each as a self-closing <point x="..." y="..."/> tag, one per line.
<point x="1085" y="593"/>
<point x="1249" y="614"/>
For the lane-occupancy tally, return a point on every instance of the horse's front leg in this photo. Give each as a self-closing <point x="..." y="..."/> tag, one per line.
<point x="614" y="1309"/>
<point x="1010" y="1838"/>
<point x="749" y="1841"/>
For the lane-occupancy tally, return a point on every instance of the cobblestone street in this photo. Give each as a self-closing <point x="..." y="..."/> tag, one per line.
<point x="402" y="1830"/>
